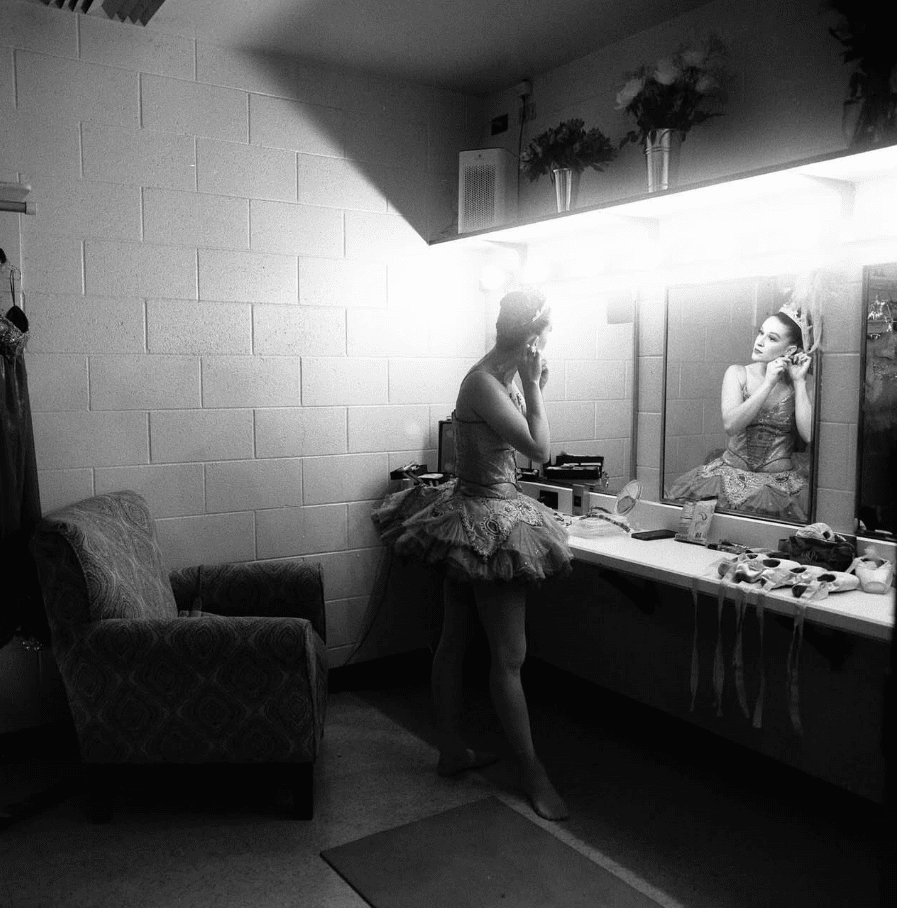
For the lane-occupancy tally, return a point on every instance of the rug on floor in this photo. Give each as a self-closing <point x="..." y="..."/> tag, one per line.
<point x="482" y="854"/>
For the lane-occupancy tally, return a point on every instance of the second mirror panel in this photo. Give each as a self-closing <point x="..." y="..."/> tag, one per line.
<point x="763" y="465"/>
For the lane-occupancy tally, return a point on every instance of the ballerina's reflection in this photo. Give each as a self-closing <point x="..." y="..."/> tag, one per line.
<point x="767" y="411"/>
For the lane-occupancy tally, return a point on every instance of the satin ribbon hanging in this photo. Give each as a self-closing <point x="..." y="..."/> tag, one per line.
<point x="793" y="672"/>
<point x="695" y="666"/>
<point x="761" y="693"/>
<point x="738" y="650"/>
<point x="719" y="665"/>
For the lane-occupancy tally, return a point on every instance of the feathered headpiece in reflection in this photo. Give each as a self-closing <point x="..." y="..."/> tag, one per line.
<point x="804" y="308"/>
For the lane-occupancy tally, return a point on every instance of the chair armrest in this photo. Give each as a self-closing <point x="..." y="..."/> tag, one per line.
<point x="273" y="589"/>
<point x="209" y="678"/>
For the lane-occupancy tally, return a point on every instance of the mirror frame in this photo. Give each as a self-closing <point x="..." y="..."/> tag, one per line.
<point x="873" y="536"/>
<point x="814" y="453"/>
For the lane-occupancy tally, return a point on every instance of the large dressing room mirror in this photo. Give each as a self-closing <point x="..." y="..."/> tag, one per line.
<point x="877" y="442"/>
<point x="753" y="452"/>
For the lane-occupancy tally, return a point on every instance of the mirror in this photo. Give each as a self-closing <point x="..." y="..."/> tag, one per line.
<point x="721" y="338"/>
<point x="877" y="442"/>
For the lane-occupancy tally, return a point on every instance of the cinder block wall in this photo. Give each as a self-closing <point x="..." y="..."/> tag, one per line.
<point x="233" y="306"/>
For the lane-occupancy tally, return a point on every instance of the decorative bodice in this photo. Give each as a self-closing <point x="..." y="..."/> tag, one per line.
<point x="12" y="340"/>
<point x="768" y="440"/>
<point x="484" y="463"/>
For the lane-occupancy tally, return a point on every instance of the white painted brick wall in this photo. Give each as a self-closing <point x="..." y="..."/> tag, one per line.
<point x="144" y="382"/>
<point x="194" y="436"/>
<point x="308" y="129"/>
<point x="194" y="219"/>
<point x="229" y="168"/>
<point x="342" y="283"/>
<point x="186" y="326"/>
<point x="250" y="381"/>
<point x="345" y="477"/>
<point x="206" y="539"/>
<point x="171" y="490"/>
<point x="243" y="485"/>
<point x="139" y="269"/>
<point x="53" y="87"/>
<point x="85" y="324"/>
<point x="105" y="41"/>
<point x="57" y="381"/>
<point x="63" y="441"/>
<point x="294" y="432"/>
<point x="388" y="428"/>
<point x="143" y="156"/>
<point x="296" y="229"/>
<point x="299" y="331"/>
<point x="194" y="109"/>
<point x="334" y="381"/>
<point x="286" y="532"/>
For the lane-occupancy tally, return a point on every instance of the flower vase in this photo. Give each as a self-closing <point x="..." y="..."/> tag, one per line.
<point x="566" y="187"/>
<point x="662" y="148"/>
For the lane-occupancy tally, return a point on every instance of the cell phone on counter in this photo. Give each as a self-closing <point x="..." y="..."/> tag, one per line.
<point x="654" y="534"/>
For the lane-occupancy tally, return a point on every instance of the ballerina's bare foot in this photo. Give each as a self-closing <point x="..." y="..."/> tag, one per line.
<point x="452" y="764"/>
<point x="543" y="795"/>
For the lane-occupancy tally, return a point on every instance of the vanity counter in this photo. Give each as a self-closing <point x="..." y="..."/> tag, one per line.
<point x="689" y="566"/>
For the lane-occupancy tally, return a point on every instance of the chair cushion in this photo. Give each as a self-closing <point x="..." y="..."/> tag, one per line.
<point x="114" y="539"/>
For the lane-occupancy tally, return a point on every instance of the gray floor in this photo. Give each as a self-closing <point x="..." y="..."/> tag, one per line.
<point x="698" y="832"/>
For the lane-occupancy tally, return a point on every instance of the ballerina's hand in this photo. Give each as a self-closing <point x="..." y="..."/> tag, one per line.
<point x="797" y="370"/>
<point x="776" y="370"/>
<point x="531" y="364"/>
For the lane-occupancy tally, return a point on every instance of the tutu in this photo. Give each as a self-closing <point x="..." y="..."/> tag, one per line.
<point x="475" y="537"/>
<point x="480" y="526"/>
<point x="781" y="495"/>
<point x="740" y="479"/>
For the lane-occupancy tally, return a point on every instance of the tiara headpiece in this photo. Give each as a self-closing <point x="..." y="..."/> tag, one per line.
<point x="806" y="316"/>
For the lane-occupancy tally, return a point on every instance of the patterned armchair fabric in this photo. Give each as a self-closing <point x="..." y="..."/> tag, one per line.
<point x="242" y="680"/>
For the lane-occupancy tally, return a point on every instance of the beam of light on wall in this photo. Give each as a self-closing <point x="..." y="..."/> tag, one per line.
<point x="537" y="270"/>
<point x="493" y="277"/>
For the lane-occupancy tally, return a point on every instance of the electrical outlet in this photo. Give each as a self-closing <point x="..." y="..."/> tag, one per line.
<point x="527" y="112"/>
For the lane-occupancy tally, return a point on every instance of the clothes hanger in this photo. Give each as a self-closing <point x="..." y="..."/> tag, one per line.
<point x="15" y="315"/>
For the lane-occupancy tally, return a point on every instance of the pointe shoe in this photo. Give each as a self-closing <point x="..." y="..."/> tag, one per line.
<point x="467" y="760"/>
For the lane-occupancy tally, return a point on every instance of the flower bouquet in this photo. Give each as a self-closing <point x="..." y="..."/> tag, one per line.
<point x="675" y="93"/>
<point x="568" y="146"/>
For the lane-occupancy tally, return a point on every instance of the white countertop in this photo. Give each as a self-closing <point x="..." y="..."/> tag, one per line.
<point x="679" y="564"/>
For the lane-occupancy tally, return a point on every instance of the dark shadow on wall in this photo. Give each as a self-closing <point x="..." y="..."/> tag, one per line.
<point x="368" y="143"/>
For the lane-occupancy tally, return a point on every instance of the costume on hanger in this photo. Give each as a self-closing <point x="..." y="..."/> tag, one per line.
<point x="740" y="478"/>
<point x="20" y="508"/>
<point x="480" y="525"/>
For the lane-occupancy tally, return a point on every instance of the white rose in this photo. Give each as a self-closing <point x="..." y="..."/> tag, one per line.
<point x="704" y="85"/>
<point x="693" y="58"/>
<point x="629" y="91"/>
<point x="667" y="72"/>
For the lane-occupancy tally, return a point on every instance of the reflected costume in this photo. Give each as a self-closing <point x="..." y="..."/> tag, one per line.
<point x="480" y="525"/>
<point x="740" y="478"/>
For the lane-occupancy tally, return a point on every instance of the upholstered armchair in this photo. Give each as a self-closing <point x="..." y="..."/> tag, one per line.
<point x="218" y="664"/>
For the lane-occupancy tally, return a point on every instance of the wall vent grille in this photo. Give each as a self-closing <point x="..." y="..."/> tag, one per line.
<point x="139" y="12"/>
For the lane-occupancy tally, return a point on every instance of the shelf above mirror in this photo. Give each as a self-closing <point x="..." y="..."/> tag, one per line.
<point x="836" y="175"/>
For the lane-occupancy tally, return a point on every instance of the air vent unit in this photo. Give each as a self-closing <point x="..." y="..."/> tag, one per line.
<point x="136" y="11"/>
<point x="487" y="189"/>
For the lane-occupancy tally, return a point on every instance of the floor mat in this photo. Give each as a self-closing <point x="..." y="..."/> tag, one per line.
<point x="482" y="854"/>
